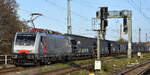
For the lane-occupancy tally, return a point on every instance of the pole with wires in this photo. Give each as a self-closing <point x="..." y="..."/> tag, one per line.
<point x="69" y="27"/>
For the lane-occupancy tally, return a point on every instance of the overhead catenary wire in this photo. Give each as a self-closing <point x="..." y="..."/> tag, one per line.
<point x="51" y="18"/>
<point x="89" y="2"/>
<point x="44" y="16"/>
<point x="54" y="19"/>
<point x="73" y="13"/>
<point x="136" y="7"/>
<point x="63" y="9"/>
<point x="86" y="5"/>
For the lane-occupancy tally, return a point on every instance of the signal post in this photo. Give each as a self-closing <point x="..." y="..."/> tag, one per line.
<point x="101" y="32"/>
<point x="103" y="14"/>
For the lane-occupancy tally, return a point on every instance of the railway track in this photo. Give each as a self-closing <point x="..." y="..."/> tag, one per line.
<point x="36" y="70"/>
<point x="137" y="69"/>
<point x="66" y="70"/>
<point x="12" y="69"/>
<point x="145" y="71"/>
<point x="20" y="71"/>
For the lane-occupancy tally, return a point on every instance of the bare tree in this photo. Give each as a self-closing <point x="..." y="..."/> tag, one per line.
<point x="9" y="24"/>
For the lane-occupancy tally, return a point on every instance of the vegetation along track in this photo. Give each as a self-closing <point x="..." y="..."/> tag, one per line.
<point x="72" y="68"/>
<point x="66" y="70"/>
<point x="136" y="70"/>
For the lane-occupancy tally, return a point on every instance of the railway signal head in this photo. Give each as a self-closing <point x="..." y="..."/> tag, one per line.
<point x="97" y="14"/>
<point x="105" y="23"/>
<point x="104" y="12"/>
<point x="125" y="25"/>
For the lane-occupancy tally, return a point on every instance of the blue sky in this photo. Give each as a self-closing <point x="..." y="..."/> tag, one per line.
<point x="54" y="15"/>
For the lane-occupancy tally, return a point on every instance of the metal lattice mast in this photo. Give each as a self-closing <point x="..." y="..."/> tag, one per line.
<point x="139" y="35"/>
<point x="120" y="31"/>
<point x="130" y="37"/>
<point x="146" y="37"/>
<point x="69" y="27"/>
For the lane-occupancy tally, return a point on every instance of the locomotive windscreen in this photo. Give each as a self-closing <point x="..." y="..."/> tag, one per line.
<point x="25" y="39"/>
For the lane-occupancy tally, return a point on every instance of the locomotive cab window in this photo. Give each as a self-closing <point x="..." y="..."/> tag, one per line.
<point x="25" y="39"/>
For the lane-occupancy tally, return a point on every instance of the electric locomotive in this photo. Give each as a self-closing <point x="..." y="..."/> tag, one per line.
<point x="36" y="48"/>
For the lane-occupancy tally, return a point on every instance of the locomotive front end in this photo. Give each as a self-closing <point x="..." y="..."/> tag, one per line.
<point x="24" y="48"/>
<point x="24" y="43"/>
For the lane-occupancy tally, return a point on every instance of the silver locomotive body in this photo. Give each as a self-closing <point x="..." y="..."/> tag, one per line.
<point x="36" y="48"/>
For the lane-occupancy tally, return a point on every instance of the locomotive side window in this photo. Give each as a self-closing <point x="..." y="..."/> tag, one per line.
<point x="74" y="46"/>
<point x="25" y="39"/>
<point x="74" y="42"/>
